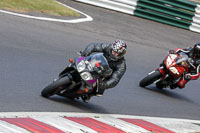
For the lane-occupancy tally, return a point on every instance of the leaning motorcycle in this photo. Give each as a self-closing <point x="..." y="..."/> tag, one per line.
<point x="170" y="73"/>
<point x="80" y="78"/>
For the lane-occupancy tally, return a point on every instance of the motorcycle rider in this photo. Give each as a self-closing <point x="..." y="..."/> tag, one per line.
<point x="194" y="59"/>
<point x="114" y="53"/>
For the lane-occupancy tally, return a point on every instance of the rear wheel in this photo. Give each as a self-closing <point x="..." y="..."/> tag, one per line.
<point x="149" y="79"/>
<point x="55" y="87"/>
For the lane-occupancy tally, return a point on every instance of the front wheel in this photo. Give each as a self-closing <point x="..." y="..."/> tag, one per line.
<point x="149" y="79"/>
<point x="55" y="87"/>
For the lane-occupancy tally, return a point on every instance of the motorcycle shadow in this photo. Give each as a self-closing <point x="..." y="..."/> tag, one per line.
<point x="78" y="103"/>
<point x="169" y="93"/>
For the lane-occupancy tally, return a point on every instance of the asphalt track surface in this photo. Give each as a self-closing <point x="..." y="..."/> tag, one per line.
<point x="33" y="53"/>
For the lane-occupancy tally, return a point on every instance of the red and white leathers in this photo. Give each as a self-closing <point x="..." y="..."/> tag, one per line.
<point x="194" y="70"/>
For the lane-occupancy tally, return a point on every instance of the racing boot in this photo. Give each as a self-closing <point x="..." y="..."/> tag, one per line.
<point x="86" y="98"/>
<point x="100" y="92"/>
<point x="181" y="83"/>
<point x="173" y="86"/>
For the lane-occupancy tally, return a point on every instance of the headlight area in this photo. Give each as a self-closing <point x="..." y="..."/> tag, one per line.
<point x="86" y="76"/>
<point x="81" y="66"/>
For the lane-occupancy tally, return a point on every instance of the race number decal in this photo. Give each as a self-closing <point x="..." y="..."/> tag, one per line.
<point x="174" y="70"/>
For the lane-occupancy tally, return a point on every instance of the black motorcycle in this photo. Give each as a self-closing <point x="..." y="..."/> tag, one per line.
<point x="80" y="78"/>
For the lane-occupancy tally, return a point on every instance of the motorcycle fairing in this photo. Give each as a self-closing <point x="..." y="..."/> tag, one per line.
<point x="176" y="64"/>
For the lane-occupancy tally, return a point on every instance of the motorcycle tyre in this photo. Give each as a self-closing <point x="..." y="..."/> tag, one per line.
<point x="53" y="88"/>
<point x="149" y="79"/>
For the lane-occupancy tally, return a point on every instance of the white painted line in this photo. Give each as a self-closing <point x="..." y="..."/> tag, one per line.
<point x="88" y="18"/>
<point x="72" y="114"/>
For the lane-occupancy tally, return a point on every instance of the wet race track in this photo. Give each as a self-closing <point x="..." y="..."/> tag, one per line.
<point x="33" y="53"/>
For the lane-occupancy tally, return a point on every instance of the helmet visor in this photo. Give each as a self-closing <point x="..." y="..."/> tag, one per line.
<point x="117" y="55"/>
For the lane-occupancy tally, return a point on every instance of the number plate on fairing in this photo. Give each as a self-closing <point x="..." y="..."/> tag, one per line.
<point x="174" y="70"/>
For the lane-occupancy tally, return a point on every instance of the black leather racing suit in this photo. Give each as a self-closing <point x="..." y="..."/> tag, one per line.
<point x="118" y="66"/>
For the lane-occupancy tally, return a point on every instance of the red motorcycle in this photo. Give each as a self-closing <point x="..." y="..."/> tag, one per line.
<point x="170" y="73"/>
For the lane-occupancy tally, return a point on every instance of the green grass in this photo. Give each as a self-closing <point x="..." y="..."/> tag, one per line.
<point x="43" y="6"/>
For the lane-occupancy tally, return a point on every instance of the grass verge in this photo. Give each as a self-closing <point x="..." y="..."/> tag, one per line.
<point x="42" y="6"/>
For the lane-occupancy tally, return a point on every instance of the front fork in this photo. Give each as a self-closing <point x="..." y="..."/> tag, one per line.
<point x="99" y="91"/>
<point x="162" y="72"/>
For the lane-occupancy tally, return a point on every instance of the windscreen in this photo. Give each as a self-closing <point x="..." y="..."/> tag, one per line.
<point x="182" y="60"/>
<point x="99" y="64"/>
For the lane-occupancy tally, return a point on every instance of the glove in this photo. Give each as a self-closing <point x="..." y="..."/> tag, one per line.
<point x="191" y="61"/>
<point x="187" y="77"/>
<point x="197" y="62"/>
<point x="102" y="85"/>
<point x="171" y="52"/>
